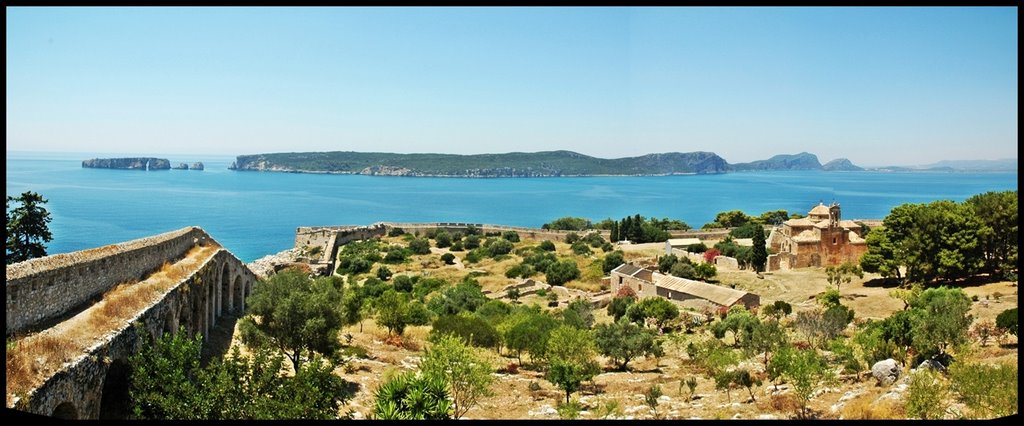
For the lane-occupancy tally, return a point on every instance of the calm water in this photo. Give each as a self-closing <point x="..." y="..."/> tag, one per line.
<point x="255" y="214"/>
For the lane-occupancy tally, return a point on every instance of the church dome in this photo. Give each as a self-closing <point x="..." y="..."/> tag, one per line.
<point x="819" y="210"/>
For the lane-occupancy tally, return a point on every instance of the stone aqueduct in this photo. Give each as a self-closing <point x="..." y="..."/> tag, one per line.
<point x="42" y="292"/>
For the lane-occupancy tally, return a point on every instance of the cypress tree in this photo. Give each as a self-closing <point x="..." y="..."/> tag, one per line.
<point x="760" y="255"/>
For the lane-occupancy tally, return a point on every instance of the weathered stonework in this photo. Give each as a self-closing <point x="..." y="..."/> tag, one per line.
<point x="820" y="239"/>
<point x="94" y="385"/>
<point x="46" y="287"/>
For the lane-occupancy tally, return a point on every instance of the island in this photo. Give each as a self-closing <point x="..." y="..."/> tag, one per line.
<point x="514" y="164"/>
<point x="129" y="163"/>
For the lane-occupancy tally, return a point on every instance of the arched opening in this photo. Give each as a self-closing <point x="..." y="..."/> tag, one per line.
<point x="225" y="292"/>
<point x="114" y="400"/>
<point x="245" y="295"/>
<point x="236" y="291"/>
<point x="211" y="318"/>
<point x="171" y="322"/>
<point x="65" y="410"/>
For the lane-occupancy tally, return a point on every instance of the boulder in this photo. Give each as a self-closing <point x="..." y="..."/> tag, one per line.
<point x="937" y="362"/>
<point x="886" y="371"/>
<point x="197" y="166"/>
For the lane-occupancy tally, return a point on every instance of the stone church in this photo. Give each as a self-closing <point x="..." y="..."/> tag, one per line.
<point x="820" y="239"/>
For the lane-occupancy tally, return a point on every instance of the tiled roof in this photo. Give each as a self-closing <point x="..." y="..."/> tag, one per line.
<point x="720" y="295"/>
<point x="626" y="269"/>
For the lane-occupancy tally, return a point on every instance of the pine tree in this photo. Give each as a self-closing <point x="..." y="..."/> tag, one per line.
<point x="27" y="230"/>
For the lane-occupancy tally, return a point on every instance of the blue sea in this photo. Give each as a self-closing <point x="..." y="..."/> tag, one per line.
<point x="254" y="214"/>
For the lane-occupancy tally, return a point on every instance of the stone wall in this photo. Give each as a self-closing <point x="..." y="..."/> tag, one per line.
<point x="94" y="385"/>
<point x="726" y="262"/>
<point x="48" y="287"/>
<point x="640" y="287"/>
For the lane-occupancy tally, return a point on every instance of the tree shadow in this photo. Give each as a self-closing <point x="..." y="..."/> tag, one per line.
<point x="973" y="281"/>
<point x="882" y="282"/>
<point x="217" y="344"/>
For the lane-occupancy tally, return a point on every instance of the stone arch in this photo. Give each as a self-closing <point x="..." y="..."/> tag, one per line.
<point x="226" y="305"/>
<point x="65" y="410"/>
<point x="247" y="286"/>
<point x="210" y="307"/>
<point x="114" y="398"/>
<point x="171" y="321"/>
<point x="236" y="293"/>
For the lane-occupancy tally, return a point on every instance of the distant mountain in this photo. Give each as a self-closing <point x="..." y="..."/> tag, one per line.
<point x="801" y="161"/>
<point x="514" y="164"/>
<point x="840" y="164"/>
<point x="1005" y="164"/>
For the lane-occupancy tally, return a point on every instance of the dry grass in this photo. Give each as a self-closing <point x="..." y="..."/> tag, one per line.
<point x="35" y="357"/>
<point x="867" y="407"/>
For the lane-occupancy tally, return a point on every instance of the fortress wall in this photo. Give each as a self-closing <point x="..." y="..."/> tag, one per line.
<point x="524" y="233"/>
<point x="83" y="383"/>
<point x="48" y="287"/>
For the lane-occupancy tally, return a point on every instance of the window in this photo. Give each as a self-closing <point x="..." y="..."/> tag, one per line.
<point x="670" y="295"/>
<point x="833" y="240"/>
<point x="640" y="287"/>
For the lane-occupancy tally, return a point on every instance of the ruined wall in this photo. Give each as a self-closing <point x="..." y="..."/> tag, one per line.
<point x="726" y="262"/>
<point x="48" y="287"/>
<point x="92" y="384"/>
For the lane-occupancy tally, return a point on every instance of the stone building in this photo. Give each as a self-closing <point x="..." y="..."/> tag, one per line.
<point x="686" y="293"/>
<point x="820" y="239"/>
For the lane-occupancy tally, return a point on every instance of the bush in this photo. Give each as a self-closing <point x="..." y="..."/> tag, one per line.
<point x="448" y="258"/>
<point x="384" y="273"/>
<point x="1007" y="320"/>
<point x="499" y="247"/>
<point x="581" y="249"/>
<point x="684" y="270"/>
<point x="456" y="246"/>
<point x="571" y="237"/>
<point x="404" y="283"/>
<point x="419" y="246"/>
<point x="520" y="270"/>
<point x="611" y="261"/>
<point x="511" y="236"/>
<point x="547" y="245"/>
<point x="697" y="248"/>
<point x="472" y="241"/>
<point x="475" y="255"/>
<point x="568" y="223"/>
<point x="396" y="232"/>
<point x="988" y="390"/>
<point x="594" y="239"/>
<point x="471" y="328"/>
<point x="443" y="239"/>
<point x="396" y="255"/>
<point x="926" y="395"/>
<point x="353" y="265"/>
<point x="562" y="272"/>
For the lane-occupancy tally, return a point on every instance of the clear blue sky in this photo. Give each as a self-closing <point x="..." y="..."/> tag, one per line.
<point x="880" y="86"/>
